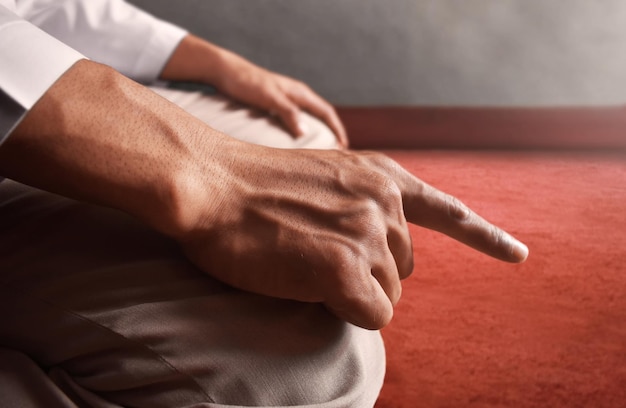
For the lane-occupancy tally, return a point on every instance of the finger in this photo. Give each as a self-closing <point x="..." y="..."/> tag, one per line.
<point x="395" y="226"/>
<point x="353" y="293"/>
<point x="369" y="307"/>
<point x="289" y="114"/>
<point x="316" y="105"/>
<point x="428" y="207"/>
<point x="388" y="277"/>
<point x="401" y="247"/>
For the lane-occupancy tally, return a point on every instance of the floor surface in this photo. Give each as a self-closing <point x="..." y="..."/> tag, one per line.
<point x="475" y="332"/>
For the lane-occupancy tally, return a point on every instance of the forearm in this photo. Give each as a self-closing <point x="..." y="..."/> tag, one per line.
<point x="197" y="60"/>
<point x="97" y="136"/>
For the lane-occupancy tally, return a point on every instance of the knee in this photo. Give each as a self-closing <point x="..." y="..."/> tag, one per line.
<point x="346" y="372"/>
<point x="317" y="135"/>
<point x="308" y="358"/>
<point x="358" y="377"/>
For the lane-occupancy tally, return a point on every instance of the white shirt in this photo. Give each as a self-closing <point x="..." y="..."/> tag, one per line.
<point x="41" y="39"/>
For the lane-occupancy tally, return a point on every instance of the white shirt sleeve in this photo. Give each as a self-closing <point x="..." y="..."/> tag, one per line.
<point x="41" y="39"/>
<point x="30" y="62"/>
<point x="112" y="32"/>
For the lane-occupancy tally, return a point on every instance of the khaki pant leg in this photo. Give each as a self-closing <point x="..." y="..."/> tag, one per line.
<point x="248" y="124"/>
<point x="23" y="384"/>
<point x="116" y="316"/>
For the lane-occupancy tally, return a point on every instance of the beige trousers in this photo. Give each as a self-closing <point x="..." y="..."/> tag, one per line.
<point x="96" y="310"/>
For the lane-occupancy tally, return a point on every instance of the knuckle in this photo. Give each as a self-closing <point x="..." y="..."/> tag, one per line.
<point x="369" y="230"/>
<point x="371" y="214"/>
<point x="383" y="161"/>
<point x="457" y="211"/>
<point x="388" y="166"/>
<point x="299" y="88"/>
<point x="388" y="186"/>
<point x="388" y="194"/>
<point x="347" y="261"/>
<point x="499" y="239"/>
<point x="303" y="86"/>
<point x="373" y="156"/>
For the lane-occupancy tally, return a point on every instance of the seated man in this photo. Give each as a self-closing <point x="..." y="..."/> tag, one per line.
<point x="152" y="256"/>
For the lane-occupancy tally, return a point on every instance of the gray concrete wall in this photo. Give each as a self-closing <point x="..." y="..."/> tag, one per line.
<point x="426" y="52"/>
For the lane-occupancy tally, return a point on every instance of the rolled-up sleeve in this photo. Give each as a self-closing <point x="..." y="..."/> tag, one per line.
<point x="111" y="32"/>
<point x="30" y="62"/>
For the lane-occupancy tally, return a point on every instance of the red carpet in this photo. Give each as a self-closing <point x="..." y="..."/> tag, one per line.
<point x="474" y="332"/>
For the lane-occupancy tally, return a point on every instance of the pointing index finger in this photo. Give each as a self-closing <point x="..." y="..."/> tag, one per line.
<point x="428" y="207"/>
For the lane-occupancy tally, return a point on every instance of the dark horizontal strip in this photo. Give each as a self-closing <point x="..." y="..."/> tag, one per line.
<point x="485" y="128"/>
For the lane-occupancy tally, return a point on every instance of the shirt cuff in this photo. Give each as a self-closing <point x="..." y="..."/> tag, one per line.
<point x="32" y="62"/>
<point x="158" y="51"/>
<point x="112" y="32"/>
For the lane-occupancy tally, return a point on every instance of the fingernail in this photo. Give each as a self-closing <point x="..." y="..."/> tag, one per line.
<point x="520" y="251"/>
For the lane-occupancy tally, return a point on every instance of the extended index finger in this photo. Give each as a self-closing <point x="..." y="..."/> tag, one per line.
<point x="429" y="207"/>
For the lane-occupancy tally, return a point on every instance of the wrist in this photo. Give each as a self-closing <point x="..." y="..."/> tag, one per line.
<point x="99" y="137"/>
<point x="192" y="193"/>
<point x="196" y="60"/>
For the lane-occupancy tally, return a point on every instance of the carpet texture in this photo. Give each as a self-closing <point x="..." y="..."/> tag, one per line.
<point x="475" y="332"/>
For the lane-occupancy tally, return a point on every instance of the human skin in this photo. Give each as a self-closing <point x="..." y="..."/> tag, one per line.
<point x="197" y="60"/>
<point x="308" y="225"/>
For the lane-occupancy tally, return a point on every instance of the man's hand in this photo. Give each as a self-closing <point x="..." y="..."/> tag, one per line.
<point x="236" y="77"/>
<point x="319" y="226"/>
<point x="327" y="226"/>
